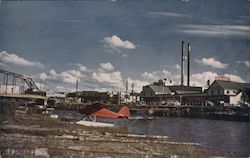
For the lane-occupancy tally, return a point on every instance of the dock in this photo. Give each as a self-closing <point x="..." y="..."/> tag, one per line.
<point x="232" y="113"/>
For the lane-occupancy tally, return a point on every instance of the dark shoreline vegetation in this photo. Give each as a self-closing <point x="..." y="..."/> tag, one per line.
<point x="30" y="135"/>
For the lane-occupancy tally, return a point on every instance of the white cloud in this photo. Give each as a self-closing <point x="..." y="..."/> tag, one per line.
<point x="82" y="67"/>
<point x="235" y="78"/>
<point x="138" y="84"/>
<point x="12" y="58"/>
<point x="116" y="43"/>
<point x="124" y="55"/>
<point x="150" y="76"/>
<point x="216" y="30"/>
<point x="113" y="78"/>
<point x="107" y="66"/>
<point x="67" y="76"/>
<point x="200" y="79"/>
<point x="64" y="89"/>
<point x="41" y="86"/>
<point x="247" y="63"/>
<point x="211" y="62"/>
<point x="157" y="75"/>
<point x="43" y="76"/>
<point x="177" y="66"/>
<point x="70" y="76"/>
<point x="169" y="14"/>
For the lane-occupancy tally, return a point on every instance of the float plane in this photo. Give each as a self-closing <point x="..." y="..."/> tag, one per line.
<point x="100" y="110"/>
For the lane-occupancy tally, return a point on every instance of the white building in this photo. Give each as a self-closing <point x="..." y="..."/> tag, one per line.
<point x="9" y="89"/>
<point x="57" y="96"/>
<point x="228" y="88"/>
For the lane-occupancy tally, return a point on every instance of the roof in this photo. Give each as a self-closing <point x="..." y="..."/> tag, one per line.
<point x="232" y="85"/>
<point x="160" y="89"/>
<point x="187" y="92"/>
<point x="185" y="89"/>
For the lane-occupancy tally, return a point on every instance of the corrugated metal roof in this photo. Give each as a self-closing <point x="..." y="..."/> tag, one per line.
<point x="176" y="88"/>
<point x="186" y="92"/>
<point x="232" y="85"/>
<point x="160" y="89"/>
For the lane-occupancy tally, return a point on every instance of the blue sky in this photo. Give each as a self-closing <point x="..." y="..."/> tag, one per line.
<point x="105" y="42"/>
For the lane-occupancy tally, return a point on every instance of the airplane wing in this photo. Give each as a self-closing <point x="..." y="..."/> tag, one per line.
<point x="106" y="113"/>
<point x="100" y="110"/>
<point x="123" y="113"/>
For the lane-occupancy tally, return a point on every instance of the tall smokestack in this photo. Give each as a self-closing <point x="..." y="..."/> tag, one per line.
<point x="182" y="61"/>
<point x="188" y="64"/>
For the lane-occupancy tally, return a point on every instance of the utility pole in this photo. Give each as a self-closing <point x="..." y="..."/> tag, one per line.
<point x="126" y="92"/>
<point x="76" y="84"/>
<point x="132" y="92"/>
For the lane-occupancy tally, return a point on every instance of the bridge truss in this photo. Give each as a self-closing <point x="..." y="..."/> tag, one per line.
<point x="15" y="79"/>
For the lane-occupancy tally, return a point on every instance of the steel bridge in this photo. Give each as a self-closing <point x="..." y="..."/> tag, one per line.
<point x="16" y="80"/>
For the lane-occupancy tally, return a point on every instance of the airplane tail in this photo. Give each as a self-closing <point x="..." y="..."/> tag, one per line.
<point x="124" y="112"/>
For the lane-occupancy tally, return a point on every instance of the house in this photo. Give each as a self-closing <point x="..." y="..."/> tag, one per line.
<point x="233" y="90"/>
<point x="220" y="87"/>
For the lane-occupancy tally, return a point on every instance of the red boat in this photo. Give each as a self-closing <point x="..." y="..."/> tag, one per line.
<point x="100" y="110"/>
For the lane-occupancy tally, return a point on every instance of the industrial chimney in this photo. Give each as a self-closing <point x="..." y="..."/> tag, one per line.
<point x="188" y="64"/>
<point x="182" y="61"/>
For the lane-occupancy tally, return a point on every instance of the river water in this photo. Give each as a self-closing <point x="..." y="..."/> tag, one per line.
<point x="226" y="136"/>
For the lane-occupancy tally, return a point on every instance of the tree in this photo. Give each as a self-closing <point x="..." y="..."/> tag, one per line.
<point x="245" y="95"/>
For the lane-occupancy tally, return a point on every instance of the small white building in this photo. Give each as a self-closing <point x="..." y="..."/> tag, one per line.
<point x="9" y="89"/>
<point x="57" y="96"/>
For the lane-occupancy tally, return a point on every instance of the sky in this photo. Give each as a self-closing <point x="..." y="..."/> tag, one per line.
<point x="103" y="43"/>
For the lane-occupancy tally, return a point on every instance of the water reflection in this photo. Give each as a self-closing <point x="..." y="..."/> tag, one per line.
<point x="233" y="137"/>
<point x="228" y="136"/>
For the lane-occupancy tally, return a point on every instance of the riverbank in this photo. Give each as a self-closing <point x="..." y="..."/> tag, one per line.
<point x="29" y="135"/>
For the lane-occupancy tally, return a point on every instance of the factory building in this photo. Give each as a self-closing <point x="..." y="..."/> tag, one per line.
<point x="94" y="96"/>
<point x="155" y="93"/>
<point x="89" y="96"/>
<point x="158" y="94"/>
<point x="221" y="91"/>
